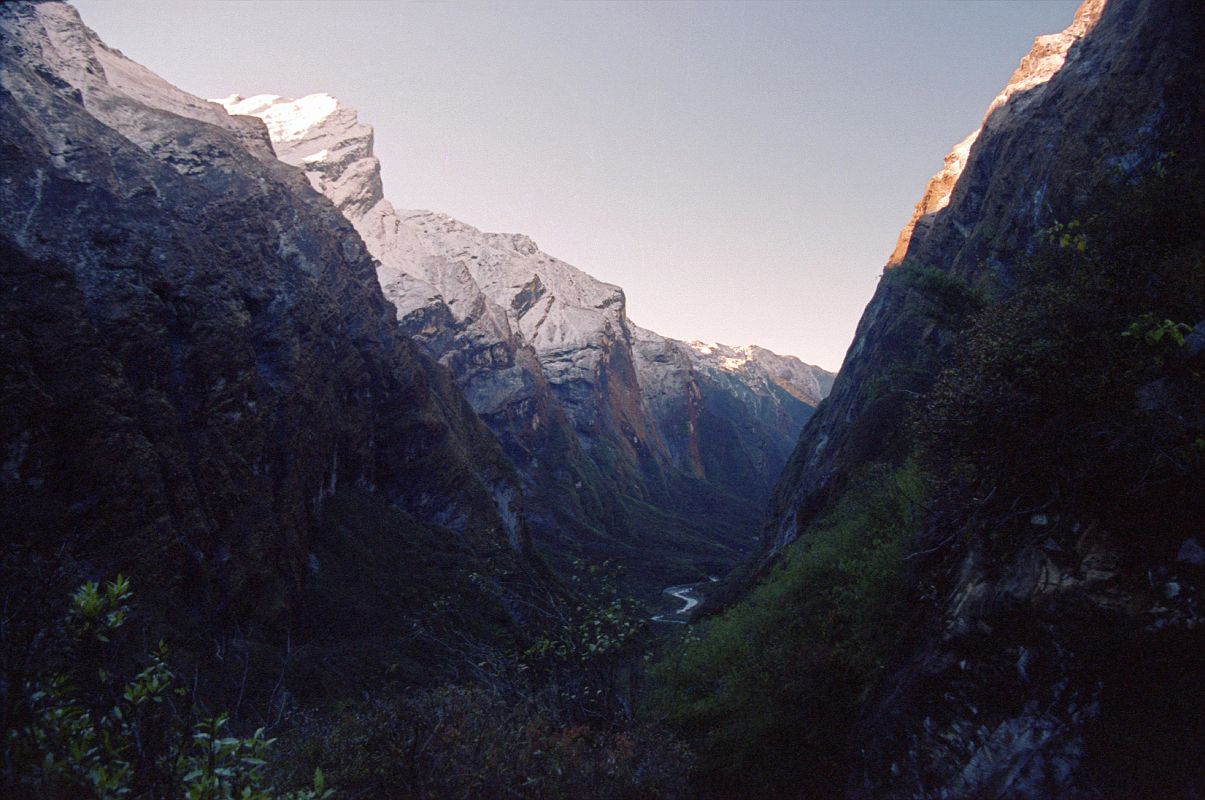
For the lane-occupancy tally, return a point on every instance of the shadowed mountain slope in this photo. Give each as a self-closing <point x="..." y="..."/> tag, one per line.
<point x="197" y="355"/>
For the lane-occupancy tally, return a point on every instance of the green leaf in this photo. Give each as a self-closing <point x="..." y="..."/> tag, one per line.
<point x="319" y="780"/>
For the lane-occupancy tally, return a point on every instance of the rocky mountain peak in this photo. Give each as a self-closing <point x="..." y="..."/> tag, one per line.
<point x="947" y="228"/>
<point x="326" y="139"/>
<point x="1098" y="126"/>
<point x="805" y="382"/>
<point x="1048" y="54"/>
<point x="111" y="87"/>
<point x="428" y="257"/>
<point x="501" y="284"/>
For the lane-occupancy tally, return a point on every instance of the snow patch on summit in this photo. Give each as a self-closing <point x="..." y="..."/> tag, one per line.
<point x="487" y="281"/>
<point x="287" y="120"/>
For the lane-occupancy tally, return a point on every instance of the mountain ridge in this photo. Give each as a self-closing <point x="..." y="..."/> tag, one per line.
<point x="805" y="485"/>
<point x="546" y="353"/>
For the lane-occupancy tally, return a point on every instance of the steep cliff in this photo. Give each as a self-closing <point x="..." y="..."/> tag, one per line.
<point x="1052" y="645"/>
<point x="951" y="230"/>
<point x="197" y="355"/>
<point x="619" y="433"/>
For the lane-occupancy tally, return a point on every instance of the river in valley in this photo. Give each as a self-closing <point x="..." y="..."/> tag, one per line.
<point x="689" y="598"/>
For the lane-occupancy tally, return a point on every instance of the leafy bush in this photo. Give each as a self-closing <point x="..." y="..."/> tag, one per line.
<point x="81" y="729"/>
<point x="584" y="657"/>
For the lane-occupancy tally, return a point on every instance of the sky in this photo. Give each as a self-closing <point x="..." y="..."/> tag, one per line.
<point x="742" y="170"/>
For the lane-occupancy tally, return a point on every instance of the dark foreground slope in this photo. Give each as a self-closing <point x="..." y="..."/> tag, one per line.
<point x="199" y="368"/>
<point x="989" y="549"/>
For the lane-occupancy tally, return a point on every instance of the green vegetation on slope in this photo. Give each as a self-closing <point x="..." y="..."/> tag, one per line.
<point x="90" y="718"/>
<point x="766" y="691"/>
<point x="89" y="714"/>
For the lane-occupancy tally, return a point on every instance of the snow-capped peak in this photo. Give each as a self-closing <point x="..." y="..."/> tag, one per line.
<point x="722" y="356"/>
<point x="287" y="120"/>
<point x="500" y="287"/>
<point x="499" y="283"/>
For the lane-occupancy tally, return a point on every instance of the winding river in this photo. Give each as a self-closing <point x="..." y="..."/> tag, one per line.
<point x="688" y="596"/>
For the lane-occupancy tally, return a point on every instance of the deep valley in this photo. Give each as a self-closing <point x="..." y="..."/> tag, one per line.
<point x="305" y="495"/>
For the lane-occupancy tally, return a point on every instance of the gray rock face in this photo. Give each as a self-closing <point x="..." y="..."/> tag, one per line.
<point x="196" y="351"/>
<point x="597" y="413"/>
<point x="721" y="410"/>
<point x="1191" y="552"/>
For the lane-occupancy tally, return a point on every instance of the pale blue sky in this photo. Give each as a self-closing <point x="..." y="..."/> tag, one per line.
<point x="742" y="169"/>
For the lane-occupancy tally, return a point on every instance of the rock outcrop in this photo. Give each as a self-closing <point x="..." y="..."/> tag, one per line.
<point x="196" y="352"/>
<point x="613" y="427"/>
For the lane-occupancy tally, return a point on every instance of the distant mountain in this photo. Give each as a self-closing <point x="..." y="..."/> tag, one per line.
<point x="621" y="434"/>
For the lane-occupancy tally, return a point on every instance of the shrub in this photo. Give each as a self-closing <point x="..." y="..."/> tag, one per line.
<point x="94" y="724"/>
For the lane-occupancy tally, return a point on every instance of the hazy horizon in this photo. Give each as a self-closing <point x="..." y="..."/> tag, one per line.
<point x="741" y="170"/>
